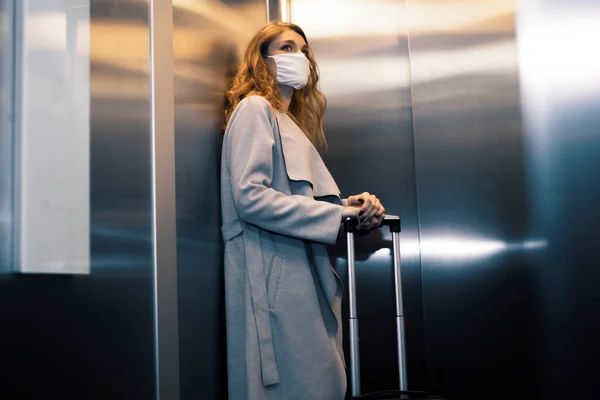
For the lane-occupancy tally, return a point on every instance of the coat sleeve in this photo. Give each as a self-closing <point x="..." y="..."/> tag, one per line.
<point x="250" y="144"/>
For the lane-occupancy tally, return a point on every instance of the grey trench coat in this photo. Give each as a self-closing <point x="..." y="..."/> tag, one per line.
<point x="280" y="207"/>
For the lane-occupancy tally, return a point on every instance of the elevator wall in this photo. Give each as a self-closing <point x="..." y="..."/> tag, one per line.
<point x="560" y="91"/>
<point x="496" y="147"/>
<point x="363" y="59"/>
<point x="505" y="100"/>
<point x="478" y="284"/>
<point x="209" y="38"/>
<point x="92" y="336"/>
<point x="485" y="145"/>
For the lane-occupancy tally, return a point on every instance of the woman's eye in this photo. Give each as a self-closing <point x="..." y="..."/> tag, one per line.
<point x="305" y="52"/>
<point x="286" y="47"/>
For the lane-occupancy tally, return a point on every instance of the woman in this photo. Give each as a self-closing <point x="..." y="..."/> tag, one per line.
<point x="280" y="207"/>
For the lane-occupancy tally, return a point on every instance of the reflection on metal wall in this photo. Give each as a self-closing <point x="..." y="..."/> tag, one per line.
<point x="363" y="59"/>
<point x="478" y="293"/>
<point x="92" y="336"/>
<point x="6" y="113"/>
<point x="208" y="39"/>
<point x="51" y="143"/>
<point x="559" y="65"/>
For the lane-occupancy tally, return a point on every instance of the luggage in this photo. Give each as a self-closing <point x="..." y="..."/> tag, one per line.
<point x="393" y="222"/>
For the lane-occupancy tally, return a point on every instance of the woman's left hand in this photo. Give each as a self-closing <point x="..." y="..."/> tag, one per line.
<point x="372" y="211"/>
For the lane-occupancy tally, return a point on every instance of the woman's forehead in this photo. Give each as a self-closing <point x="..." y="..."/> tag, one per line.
<point x="289" y="35"/>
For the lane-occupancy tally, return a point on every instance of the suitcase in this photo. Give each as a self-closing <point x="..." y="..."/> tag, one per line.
<point x="393" y="222"/>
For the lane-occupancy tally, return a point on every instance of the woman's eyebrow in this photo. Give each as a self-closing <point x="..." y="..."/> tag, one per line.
<point x="289" y="41"/>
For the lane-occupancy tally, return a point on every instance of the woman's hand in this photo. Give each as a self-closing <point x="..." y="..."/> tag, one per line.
<point x="370" y="211"/>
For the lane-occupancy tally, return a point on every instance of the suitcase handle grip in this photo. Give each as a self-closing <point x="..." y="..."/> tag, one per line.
<point x="392" y="221"/>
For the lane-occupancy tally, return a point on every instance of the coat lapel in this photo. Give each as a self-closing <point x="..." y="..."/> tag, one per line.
<point x="302" y="161"/>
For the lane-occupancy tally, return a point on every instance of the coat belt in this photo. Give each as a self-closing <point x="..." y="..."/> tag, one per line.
<point x="258" y="290"/>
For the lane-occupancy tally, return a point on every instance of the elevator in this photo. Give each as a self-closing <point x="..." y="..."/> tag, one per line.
<point x="476" y="122"/>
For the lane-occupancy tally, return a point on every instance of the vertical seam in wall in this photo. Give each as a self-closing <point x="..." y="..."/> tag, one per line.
<point x="416" y="179"/>
<point x="153" y="189"/>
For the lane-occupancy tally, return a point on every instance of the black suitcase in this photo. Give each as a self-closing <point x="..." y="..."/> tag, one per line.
<point x="393" y="222"/>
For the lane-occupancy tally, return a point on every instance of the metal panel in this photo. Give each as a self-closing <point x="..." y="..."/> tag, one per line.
<point x="478" y="289"/>
<point x="166" y="321"/>
<point x="363" y="59"/>
<point x="273" y="10"/>
<point x="559" y="64"/>
<point x="51" y="144"/>
<point x="6" y="142"/>
<point x="85" y="337"/>
<point x="209" y="38"/>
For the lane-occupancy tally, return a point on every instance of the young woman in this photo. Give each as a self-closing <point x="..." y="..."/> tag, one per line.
<point x="280" y="208"/>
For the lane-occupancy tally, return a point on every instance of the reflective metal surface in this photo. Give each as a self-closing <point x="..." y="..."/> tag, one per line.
<point x="478" y="278"/>
<point x="274" y="10"/>
<point x="89" y="337"/>
<point x="6" y="143"/>
<point x="51" y="133"/>
<point x="164" y="251"/>
<point x="363" y="59"/>
<point x="209" y="38"/>
<point x="559" y="64"/>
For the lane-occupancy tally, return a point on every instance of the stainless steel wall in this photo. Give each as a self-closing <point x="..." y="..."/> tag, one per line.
<point x="506" y="142"/>
<point x="208" y="40"/>
<point x="478" y="277"/>
<point x="560" y="87"/>
<point x="92" y="337"/>
<point x="363" y="59"/>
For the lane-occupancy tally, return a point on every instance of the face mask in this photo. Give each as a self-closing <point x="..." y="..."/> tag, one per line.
<point x="293" y="69"/>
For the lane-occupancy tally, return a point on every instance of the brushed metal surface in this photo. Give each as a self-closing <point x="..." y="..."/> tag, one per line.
<point x="560" y="87"/>
<point x="6" y="142"/>
<point x="478" y="283"/>
<point x="209" y="38"/>
<point x="164" y="237"/>
<point x="362" y="51"/>
<point x="273" y="10"/>
<point x="51" y="66"/>
<point x="92" y="336"/>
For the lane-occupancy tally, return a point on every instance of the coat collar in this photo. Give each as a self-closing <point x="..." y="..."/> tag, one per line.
<point x="302" y="160"/>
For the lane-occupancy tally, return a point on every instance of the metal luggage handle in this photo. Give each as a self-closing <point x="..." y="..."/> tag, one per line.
<point x="393" y="222"/>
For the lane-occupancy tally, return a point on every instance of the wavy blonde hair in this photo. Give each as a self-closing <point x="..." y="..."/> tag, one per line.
<point x="308" y="104"/>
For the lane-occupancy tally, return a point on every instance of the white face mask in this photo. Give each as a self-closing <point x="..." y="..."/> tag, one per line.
<point x="293" y="69"/>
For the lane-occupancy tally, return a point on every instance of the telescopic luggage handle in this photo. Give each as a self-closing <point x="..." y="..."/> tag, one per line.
<point x="393" y="222"/>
